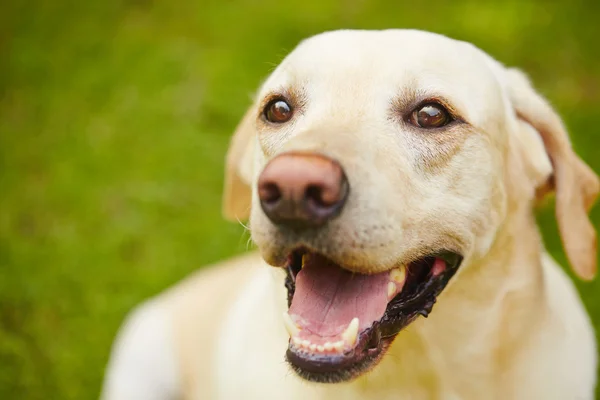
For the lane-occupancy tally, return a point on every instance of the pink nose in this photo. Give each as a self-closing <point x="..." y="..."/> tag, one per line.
<point x="302" y="189"/>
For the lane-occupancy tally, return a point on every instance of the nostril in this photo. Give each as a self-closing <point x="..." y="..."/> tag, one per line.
<point x="269" y="193"/>
<point x="315" y="194"/>
<point x="324" y="195"/>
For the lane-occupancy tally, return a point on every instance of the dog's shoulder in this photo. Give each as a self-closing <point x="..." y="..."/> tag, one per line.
<point x="564" y="300"/>
<point x="163" y="340"/>
<point x="142" y="361"/>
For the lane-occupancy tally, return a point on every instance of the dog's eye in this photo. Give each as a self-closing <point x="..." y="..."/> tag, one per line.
<point x="431" y="115"/>
<point x="278" y="111"/>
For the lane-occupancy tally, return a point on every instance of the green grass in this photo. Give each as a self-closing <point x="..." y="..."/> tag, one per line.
<point x="114" y="119"/>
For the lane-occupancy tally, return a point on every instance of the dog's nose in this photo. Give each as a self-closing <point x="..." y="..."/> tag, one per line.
<point x="302" y="190"/>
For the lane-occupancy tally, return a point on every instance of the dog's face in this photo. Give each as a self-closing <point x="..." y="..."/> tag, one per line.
<point x="413" y="190"/>
<point x="378" y="162"/>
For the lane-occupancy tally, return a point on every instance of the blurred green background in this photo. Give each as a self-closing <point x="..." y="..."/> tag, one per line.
<point x="114" y="122"/>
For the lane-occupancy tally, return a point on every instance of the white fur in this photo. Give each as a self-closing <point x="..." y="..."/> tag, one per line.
<point x="143" y="365"/>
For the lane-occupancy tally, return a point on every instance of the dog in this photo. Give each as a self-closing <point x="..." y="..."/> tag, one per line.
<point x="390" y="177"/>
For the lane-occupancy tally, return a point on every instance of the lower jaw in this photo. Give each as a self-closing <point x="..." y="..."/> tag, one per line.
<point x="327" y="368"/>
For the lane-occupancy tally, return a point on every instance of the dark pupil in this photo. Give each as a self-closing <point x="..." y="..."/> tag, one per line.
<point x="280" y="110"/>
<point x="431" y="116"/>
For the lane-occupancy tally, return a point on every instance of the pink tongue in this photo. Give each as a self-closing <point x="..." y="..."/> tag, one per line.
<point x="328" y="297"/>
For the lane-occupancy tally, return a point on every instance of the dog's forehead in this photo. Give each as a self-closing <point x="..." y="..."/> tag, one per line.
<point x="369" y="63"/>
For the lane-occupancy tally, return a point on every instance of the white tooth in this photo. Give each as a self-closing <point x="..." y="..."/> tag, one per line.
<point x="320" y="348"/>
<point x="313" y="347"/>
<point x="338" y="346"/>
<point x="351" y="333"/>
<point x="297" y="341"/>
<point x="305" y="343"/>
<point x="328" y="346"/>
<point x="391" y="289"/>
<point x="290" y="326"/>
<point x="398" y="275"/>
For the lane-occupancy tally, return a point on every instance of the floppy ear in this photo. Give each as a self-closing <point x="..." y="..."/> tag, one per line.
<point x="238" y="169"/>
<point x="575" y="184"/>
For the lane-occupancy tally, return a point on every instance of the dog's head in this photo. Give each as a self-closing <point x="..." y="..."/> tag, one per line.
<point x="373" y="163"/>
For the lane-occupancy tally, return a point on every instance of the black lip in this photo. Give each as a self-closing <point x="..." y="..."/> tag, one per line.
<point x="372" y="342"/>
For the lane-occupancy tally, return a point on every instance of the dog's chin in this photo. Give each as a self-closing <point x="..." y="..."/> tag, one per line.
<point x="341" y="323"/>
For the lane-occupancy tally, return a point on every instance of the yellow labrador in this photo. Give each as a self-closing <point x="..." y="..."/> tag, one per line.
<point x="390" y="176"/>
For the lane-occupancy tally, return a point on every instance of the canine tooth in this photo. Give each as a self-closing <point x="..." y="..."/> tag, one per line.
<point x="290" y="326"/>
<point x="320" y="348"/>
<point x="338" y="346"/>
<point x="398" y="275"/>
<point x="297" y="341"/>
<point x="313" y="347"/>
<point x="351" y="333"/>
<point x="391" y="289"/>
<point x="303" y="260"/>
<point x="305" y="343"/>
<point x="328" y="346"/>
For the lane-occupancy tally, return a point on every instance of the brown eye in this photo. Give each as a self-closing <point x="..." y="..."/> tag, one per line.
<point x="430" y="115"/>
<point x="278" y="111"/>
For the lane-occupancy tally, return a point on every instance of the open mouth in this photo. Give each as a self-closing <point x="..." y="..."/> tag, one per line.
<point x="341" y="323"/>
